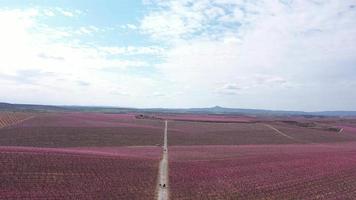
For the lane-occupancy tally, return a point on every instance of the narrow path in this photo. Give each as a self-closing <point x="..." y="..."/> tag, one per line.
<point x="17" y="122"/>
<point x="163" y="193"/>
<point x="281" y="133"/>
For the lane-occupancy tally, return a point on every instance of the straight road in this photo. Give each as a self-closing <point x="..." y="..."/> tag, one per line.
<point x="163" y="193"/>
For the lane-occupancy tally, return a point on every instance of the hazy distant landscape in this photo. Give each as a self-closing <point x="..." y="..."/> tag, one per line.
<point x="212" y="110"/>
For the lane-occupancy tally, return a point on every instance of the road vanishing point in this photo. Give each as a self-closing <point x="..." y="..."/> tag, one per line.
<point x="163" y="191"/>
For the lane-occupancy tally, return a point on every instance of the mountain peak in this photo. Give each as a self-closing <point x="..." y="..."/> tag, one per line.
<point x="217" y="107"/>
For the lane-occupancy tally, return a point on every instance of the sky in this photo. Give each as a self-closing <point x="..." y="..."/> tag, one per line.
<point x="264" y="54"/>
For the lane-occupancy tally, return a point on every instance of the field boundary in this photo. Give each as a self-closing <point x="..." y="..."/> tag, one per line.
<point x="215" y="121"/>
<point x="18" y="122"/>
<point x="281" y="133"/>
<point x="64" y="151"/>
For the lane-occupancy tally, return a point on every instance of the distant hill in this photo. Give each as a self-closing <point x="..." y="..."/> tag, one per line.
<point x="211" y="110"/>
<point x="29" y="107"/>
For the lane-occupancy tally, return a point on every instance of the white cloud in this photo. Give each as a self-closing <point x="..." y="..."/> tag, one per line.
<point x="254" y="82"/>
<point x="131" y="26"/>
<point x="176" y="19"/>
<point x="260" y="52"/>
<point x="66" y="13"/>
<point x="53" y="12"/>
<point x="52" y="64"/>
<point x="287" y="46"/>
<point x="132" y="50"/>
<point x="48" y="12"/>
<point x="229" y="89"/>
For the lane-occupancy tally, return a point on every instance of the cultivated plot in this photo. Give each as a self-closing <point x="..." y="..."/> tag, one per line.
<point x="86" y="173"/>
<point x="81" y="129"/>
<point x="313" y="135"/>
<point x="12" y="118"/>
<point x="117" y="156"/>
<point x="263" y="172"/>
<point x="209" y="133"/>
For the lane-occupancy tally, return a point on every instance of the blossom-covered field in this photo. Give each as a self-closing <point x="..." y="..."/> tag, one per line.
<point x="311" y="135"/>
<point x="82" y="129"/>
<point x="73" y="155"/>
<point x="88" y="156"/>
<point x="98" y="129"/>
<point x="263" y="172"/>
<point x="89" y="120"/>
<point x="210" y="133"/>
<point x="206" y="118"/>
<point x="91" y="173"/>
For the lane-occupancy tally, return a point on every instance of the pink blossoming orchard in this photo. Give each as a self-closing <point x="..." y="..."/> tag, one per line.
<point x="77" y="155"/>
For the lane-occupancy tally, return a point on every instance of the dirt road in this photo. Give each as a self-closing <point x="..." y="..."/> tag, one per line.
<point x="280" y="132"/>
<point x="17" y="122"/>
<point x="163" y="192"/>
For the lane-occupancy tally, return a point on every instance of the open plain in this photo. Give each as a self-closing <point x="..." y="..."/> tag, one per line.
<point x="77" y="155"/>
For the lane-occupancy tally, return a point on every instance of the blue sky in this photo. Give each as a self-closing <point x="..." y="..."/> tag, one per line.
<point x="290" y="55"/>
<point x="95" y="13"/>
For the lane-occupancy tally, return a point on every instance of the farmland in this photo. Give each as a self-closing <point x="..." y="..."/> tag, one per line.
<point x="313" y="135"/>
<point x="77" y="129"/>
<point x="39" y="173"/>
<point x="202" y="133"/>
<point x="78" y="155"/>
<point x="12" y="118"/>
<point x="269" y="158"/>
<point x="263" y="172"/>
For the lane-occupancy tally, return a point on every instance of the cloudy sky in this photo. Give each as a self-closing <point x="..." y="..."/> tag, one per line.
<point x="271" y="54"/>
